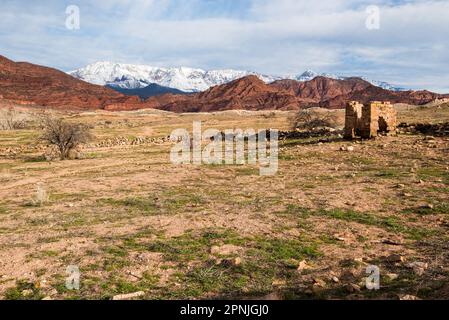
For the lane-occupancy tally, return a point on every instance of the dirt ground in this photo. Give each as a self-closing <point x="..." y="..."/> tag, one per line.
<point x="131" y="221"/>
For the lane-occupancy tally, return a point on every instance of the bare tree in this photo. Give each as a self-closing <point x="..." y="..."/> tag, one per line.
<point x="10" y="119"/>
<point x="64" y="135"/>
<point x="310" y="119"/>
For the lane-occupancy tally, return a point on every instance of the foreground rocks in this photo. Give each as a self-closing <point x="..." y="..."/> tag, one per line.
<point x="439" y="129"/>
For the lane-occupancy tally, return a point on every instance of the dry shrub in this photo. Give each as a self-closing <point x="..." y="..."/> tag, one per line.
<point x="10" y="119"/>
<point x="312" y="119"/>
<point x="64" y="135"/>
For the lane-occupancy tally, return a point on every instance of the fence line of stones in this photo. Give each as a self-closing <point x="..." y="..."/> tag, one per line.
<point x="108" y="143"/>
<point x="439" y="129"/>
<point x="125" y="141"/>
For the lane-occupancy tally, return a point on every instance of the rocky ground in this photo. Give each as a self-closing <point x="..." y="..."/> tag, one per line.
<point x="135" y="223"/>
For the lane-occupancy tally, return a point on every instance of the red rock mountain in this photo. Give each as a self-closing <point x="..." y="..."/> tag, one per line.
<point x="251" y="93"/>
<point x="31" y="84"/>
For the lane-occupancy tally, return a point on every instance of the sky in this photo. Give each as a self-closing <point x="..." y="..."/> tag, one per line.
<point x="403" y="42"/>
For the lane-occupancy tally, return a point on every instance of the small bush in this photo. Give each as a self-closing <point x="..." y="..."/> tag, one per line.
<point x="10" y="119"/>
<point x="311" y="119"/>
<point x="64" y="135"/>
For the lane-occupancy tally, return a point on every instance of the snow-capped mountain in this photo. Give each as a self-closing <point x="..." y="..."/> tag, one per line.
<point x="128" y="76"/>
<point x="310" y="75"/>
<point x="384" y="85"/>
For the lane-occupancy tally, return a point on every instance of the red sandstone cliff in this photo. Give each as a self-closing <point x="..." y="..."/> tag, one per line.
<point x="32" y="84"/>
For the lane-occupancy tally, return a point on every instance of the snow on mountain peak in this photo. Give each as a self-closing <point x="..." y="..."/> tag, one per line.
<point x="129" y="76"/>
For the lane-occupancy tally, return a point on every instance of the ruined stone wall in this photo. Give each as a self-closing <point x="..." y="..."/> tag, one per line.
<point x="353" y="120"/>
<point x="370" y="122"/>
<point x="388" y="115"/>
<point x="367" y="121"/>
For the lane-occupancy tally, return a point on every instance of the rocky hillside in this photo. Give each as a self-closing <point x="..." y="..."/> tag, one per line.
<point x="30" y="84"/>
<point x="26" y="83"/>
<point x="251" y="93"/>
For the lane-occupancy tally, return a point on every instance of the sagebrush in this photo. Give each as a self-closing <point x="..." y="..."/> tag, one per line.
<point x="64" y="135"/>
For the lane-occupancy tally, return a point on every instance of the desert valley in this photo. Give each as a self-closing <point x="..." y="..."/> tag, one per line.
<point x="137" y="226"/>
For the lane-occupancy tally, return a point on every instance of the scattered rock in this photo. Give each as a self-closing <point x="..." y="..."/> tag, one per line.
<point x="335" y="279"/>
<point x="225" y="250"/>
<point x="271" y="297"/>
<point x="237" y="261"/>
<point x="392" y="242"/>
<point x="351" y="288"/>
<point x="279" y="283"/>
<point x="303" y="266"/>
<point x="349" y="275"/>
<point x="47" y="298"/>
<point x="408" y="297"/>
<point x="394" y="258"/>
<point x="407" y="195"/>
<point x="392" y="276"/>
<point x="359" y="260"/>
<point x="129" y="296"/>
<point x="27" y="292"/>
<point x="319" y="283"/>
<point x="52" y="154"/>
<point x="234" y="262"/>
<point x="418" y="267"/>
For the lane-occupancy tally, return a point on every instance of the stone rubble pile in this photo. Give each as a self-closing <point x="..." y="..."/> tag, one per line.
<point x="439" y="129"/>
<point x="124" y="141"/>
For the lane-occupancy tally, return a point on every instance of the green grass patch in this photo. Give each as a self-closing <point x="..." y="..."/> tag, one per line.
<point x="263" y="260"/>
<point x="167" y="202"/>
<point x="286" y="157"/>
<point x="176" y="199"/>
<point x="363" y="160"/>
<point x="441" y="208"/>
<point x="391" y="223"/>
<point x="247" y="171"/>
<point x="432" y="173"/>
<point x="23" y="291"/>
<point x="389" y="173"/>
<point x="35" y="159"/>
<point x="147" y="205"/>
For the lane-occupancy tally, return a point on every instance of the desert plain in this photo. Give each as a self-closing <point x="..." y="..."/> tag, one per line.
<point x="132" y="221"/>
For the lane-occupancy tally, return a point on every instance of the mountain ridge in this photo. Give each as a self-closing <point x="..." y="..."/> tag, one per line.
<point x="251" y="93"/>
<point x="130" y="76"/>
<point x="26" y="83"/>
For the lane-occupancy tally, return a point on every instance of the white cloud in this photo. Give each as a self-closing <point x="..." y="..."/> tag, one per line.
<point x="272" y="36"/>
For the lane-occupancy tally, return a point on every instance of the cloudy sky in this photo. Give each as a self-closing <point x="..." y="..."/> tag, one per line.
<point x="410" y="47"/>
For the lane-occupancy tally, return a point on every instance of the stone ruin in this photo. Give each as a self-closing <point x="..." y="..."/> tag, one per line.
<point x="368" y="121"/>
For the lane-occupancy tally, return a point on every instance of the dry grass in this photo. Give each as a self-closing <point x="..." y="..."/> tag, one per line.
<point x="133" y="221"/>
